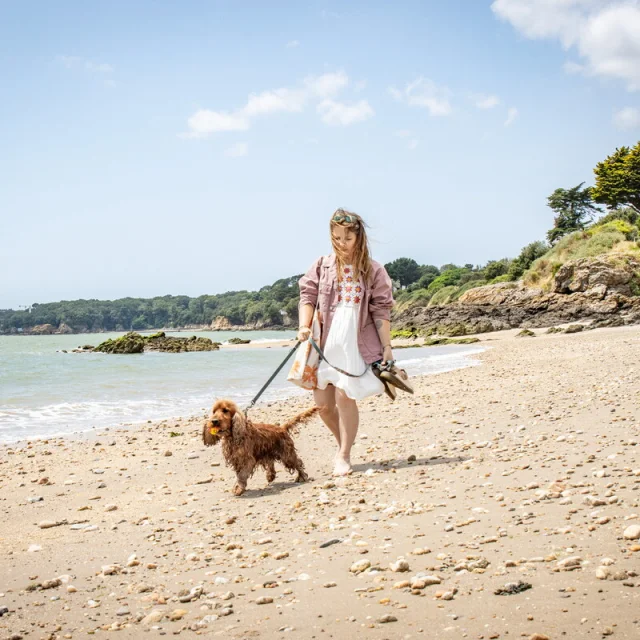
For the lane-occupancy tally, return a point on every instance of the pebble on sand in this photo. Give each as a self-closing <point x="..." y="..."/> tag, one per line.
<point x="632" y="532"/>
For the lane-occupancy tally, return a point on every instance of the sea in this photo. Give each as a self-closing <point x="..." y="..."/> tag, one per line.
<point x="45" y="392"/>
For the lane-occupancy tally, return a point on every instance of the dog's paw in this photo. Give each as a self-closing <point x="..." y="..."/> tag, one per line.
<point x="238" y="490"/>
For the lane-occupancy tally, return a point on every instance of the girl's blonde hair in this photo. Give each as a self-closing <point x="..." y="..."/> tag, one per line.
<point x="361" y="261"/>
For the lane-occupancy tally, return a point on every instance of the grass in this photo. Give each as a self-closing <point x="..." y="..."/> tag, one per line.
<point x="608" y="239"/>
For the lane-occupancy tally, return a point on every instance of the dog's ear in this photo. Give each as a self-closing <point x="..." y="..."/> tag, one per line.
<point x="238" y="424"/>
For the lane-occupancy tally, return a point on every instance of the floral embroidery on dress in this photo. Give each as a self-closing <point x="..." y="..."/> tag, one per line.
<point x="349" y="292"/>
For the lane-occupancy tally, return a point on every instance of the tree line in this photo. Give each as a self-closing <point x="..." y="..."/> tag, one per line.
<point x="617" y="187"/>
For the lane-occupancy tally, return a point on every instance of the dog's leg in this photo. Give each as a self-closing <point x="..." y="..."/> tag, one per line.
<point x="242" y="476"/>
<point x="292" y="462"/>
<point x="271" y="471"/>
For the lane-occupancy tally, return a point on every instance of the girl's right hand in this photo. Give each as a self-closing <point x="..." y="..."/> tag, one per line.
<point x="303" y="334"/>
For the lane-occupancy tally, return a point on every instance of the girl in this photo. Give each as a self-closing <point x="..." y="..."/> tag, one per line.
<point x="353" y="294"/>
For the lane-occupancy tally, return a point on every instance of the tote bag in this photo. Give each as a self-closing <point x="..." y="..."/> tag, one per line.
<point x="304" y="370"/>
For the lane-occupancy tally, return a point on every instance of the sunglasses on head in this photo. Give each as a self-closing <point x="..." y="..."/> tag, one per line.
<point x="343" y="217"/>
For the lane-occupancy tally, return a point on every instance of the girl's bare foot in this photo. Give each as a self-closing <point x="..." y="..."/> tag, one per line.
<point x="342" y="466"/>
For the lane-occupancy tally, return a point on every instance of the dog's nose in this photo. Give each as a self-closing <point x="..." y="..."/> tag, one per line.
<point x="215" y="422"/>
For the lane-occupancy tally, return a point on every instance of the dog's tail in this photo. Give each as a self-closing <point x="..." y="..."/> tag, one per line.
<point x="301" y="418"/>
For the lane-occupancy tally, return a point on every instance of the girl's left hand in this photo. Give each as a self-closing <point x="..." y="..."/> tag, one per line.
<point x="387" y="354"/>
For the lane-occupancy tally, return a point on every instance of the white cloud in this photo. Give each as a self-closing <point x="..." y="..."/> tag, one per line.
<point x="423" y="92"/>
<point x="404" y="133"/>
<point x="237" y="150"/>
<point x="412" y="144"/>
<point x="276" y="100"/>
<point x="204" y="122"/>
<point x="627" y="118"/>
<point x="338" y="113"/>
<point x="486" y="101"/>
<point x="512" y="114"/>
<point x="604" y="33"/>
<point x="292" y="44"/>
<point x="323" y="88"/>
<point x="76" y="62"/>
<point x="327" y="85"/>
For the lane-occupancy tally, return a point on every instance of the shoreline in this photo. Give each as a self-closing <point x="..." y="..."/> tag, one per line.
<point x="523" y="471"/>
<point x="91" y="433"/>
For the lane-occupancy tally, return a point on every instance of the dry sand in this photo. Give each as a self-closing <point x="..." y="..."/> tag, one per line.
<point x="523" y="469"/>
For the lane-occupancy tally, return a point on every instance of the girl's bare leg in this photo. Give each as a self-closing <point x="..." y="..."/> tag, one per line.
<point x="349" y="421"/>
<point x="326" y="398"/>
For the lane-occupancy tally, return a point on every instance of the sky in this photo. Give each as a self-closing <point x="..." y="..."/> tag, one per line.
<point x="154" y="147"/>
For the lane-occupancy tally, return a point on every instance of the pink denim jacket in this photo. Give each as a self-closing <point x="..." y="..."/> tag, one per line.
<point x="319" y="286"/>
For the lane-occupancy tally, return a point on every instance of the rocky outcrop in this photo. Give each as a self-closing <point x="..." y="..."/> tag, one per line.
<point x="135" y="343"/>
<point x="42" y="330"/>
<point x="603" y="290"/>
<point x="220" y="323"/>
<point x="602" y="275"/>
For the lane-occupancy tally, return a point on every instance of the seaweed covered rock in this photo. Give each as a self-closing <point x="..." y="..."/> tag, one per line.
<point x="133" y="342"/>
<point x="239" y="341"/>
<point x="161" y="342"/>
<point x="129" y="343"/>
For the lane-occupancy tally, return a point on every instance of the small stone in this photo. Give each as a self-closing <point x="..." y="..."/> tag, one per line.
<point x="111" y="569"/>
<point x="51" y="584"/>
<point x="168" y="453"/>
<point x="111" y="507"/>
<point x="330" y="542"/>
<point x="403" y="584"/>
<point x="420" y="551"/>
<point x="123" y="611"/>
<point x="399" y="566"/>
<point x="264" y="600"/>
<point x="177" y="614"/>
<point x="152" y="618"/>
<point x="132" y="560"/>
<point x="632" y="532"/>
<point x="360" y="566"/>
<point x="569" y="564"/>
<point x="328" y="585"/>
<point x="387" y="618"/>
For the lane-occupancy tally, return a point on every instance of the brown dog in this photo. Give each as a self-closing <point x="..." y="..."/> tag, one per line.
<point x="246" y="445"/>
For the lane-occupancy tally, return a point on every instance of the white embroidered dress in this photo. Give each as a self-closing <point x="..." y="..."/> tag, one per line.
<point x="341" y="347"/>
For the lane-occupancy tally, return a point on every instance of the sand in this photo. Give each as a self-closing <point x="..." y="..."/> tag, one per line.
<point x="521" y="474"/>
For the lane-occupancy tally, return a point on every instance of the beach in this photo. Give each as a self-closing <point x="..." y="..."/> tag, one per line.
<point x="499" y="501"/>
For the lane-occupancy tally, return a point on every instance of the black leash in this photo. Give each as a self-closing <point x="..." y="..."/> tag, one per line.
<point x="346" y="373"/>
<point x="270" y="380"/>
